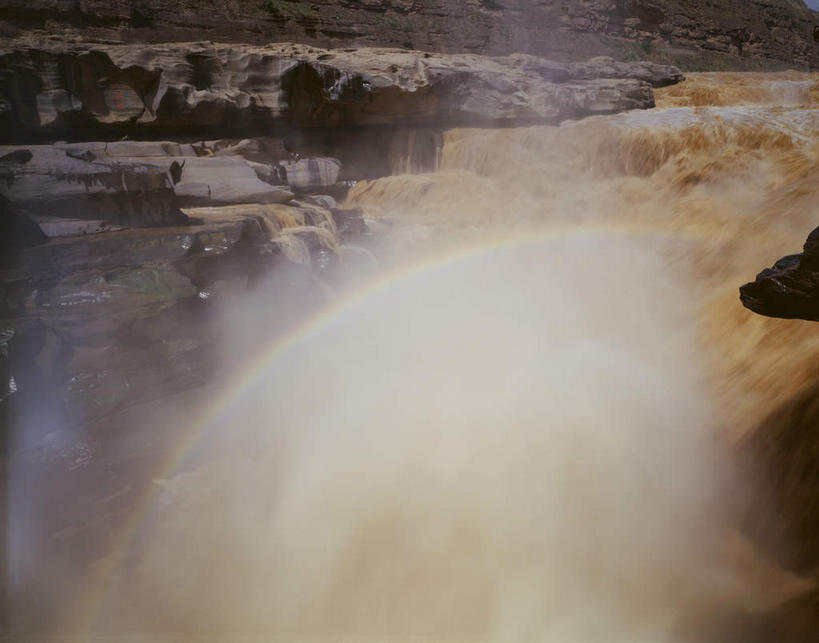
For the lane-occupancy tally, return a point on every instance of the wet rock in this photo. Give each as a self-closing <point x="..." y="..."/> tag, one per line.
<point x="297" y="231"/>
<point x="272" y="217"/>
<point x="59" y="172"/>
<point x="655" y="75"/>
<point x="790" y="288"/>
<point x="226" y="180"/>
<point x="64" y="256"/>
<point x="258" y="149"/>
<point x="349" y="221"/>
<point x="157" y="88"/>
<point x="131" y="184"/>
<point x="61" y="181"/>
<point x="108" y="376"/>
<point x="223" y="289"/>
<point x="54" y="227"/>
<point x="322" y="200"/>
<point x="312" y="173"/>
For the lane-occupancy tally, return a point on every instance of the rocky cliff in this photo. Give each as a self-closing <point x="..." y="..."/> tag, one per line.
<point x="695" y="34"/>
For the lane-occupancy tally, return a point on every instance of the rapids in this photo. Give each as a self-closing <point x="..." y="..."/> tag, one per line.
<point x="726" y="165"/>
<point x="521" y="432"/>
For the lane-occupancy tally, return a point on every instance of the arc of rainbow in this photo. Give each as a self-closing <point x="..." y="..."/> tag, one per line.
<point x="246" y="377"/>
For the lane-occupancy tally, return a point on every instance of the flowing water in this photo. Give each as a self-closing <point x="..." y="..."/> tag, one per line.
<point x="725" y="166"/>
<point x="521" y="429"/>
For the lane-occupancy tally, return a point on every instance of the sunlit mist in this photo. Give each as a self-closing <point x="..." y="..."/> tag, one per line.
<point x="513" y="419"/>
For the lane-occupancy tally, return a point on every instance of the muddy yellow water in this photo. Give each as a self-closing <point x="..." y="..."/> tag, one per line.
<point x="521" y="432"/>
<point x="727" y="165"/>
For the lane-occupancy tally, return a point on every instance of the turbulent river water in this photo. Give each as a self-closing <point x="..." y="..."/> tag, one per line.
<point x="520" y="429"/>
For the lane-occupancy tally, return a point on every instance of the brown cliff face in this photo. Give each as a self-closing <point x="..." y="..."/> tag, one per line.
<point x="695" y="34"/>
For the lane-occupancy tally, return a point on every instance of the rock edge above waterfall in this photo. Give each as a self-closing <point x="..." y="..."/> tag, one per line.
<point x="51" y="88"/>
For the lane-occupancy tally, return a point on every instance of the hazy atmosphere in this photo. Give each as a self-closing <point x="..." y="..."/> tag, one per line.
<point x="399" y="321"/>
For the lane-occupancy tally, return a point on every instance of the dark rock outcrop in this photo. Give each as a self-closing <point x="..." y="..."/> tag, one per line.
<point x="697" y="34"/>
<point x="55" y="88"/>
<point x="790" y="288"/>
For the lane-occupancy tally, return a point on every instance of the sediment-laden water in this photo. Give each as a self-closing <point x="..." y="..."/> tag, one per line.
<point x="725" y="166"/>
<point x="522" y="428"/>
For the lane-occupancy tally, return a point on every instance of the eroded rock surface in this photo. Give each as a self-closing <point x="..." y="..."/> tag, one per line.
<point x="52" y="86"/>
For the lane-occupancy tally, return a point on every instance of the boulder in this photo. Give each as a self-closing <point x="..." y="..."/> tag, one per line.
<point x="790" y="288"/>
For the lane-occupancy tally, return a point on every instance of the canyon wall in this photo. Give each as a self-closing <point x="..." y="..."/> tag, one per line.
<point x="693" y="34"/>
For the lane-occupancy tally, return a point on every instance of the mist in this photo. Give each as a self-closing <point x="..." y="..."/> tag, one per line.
<point x="511" y="443"/>
<point x="511" y="418"/>
<point x="514" y="421"/>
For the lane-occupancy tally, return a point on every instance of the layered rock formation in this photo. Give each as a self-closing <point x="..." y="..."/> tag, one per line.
<point x="698" y="34"/>
<point x="114" y="316"/>
<point x="51" y="88"/>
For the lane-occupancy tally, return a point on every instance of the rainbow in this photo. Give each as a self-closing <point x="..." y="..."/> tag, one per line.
<point x="89" y="618"/>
